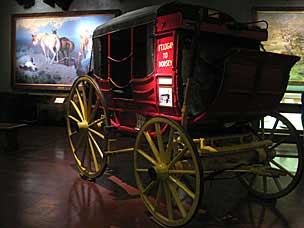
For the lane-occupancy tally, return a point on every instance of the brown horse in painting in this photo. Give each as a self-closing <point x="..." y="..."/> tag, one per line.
<point x="66" y="48"/>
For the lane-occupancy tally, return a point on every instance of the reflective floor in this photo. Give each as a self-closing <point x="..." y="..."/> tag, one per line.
<point x="40" y="187"/>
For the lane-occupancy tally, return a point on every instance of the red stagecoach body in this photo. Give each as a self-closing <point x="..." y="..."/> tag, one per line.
<point x="143" y="59"/>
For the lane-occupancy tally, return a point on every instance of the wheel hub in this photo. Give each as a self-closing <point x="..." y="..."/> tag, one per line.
<point x="158" y="172"/>
<point x="83" y="125"/>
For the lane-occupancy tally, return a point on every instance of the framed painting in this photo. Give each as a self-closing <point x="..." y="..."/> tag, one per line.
<point x="50" y="50"/>
<point x="286" y="36"/>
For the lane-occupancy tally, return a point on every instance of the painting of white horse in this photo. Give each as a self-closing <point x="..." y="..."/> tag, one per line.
<point x="50" y="45"/>
<point x="47" y="47"/>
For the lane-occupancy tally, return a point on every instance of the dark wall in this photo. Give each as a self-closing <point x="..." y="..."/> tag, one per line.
<point x="31" y="108"/>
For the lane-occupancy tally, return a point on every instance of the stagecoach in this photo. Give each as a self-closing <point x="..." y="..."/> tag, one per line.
<point x="199" y="94"/>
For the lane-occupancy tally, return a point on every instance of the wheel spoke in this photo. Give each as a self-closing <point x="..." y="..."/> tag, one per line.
<point x="73" y="133"/>
<point x="278" y="184"/>
<point x="177" y="200"/>
<point x="84" y="153"/>
<point x="160" y="141"/>
<point x="96" y="133"/>
<point x="76" y="109"/>
<point x="152" y="145"/>
<point x="286" y="156"/>
<point x="282" y="168"/>
<point x="177" y="157"/>
<point x="95" y="108"/>
<point x="85" y="105"/>
<point x="182" y="186"/>
<point x="90" y="101"/>
<point x="168" y="200"/>
<point x="146" y="156"/>
<point x="93" y="154"/>
<point x="97" y="121"/>
<point x="141" y="170"/>
<point x="169" y="145"/>
<point x="273" y="129"/>
<point x="74" y="118"/>
<point x="278" y="143"/>
<point x="158" y="196"/>
<point x="79" y="141"/>
<point x="96" y="145"/>
<point x="149" y="187"/>
<point x="81" y="103"/>
<point x="182" y="171"/>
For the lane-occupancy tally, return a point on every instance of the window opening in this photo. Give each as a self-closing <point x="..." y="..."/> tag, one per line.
<point x="104" y="54"/>
<point x="143" y="55"/>
<point x="120" y="58"/>
<point x="100" y="56"/>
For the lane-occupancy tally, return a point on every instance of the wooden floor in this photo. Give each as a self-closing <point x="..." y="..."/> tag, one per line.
<point x="40" y="187"/>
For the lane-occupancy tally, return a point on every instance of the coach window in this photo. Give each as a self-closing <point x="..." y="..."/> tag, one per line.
<point x="96" y="54"/>
<point x="104" y="57"/>
<point x="142" y="51"/>
<point x="120" y="57"/>
<point x="101" y="56"/>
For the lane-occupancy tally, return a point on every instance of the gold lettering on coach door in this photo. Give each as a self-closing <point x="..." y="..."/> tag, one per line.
<point x="165" y="50"/>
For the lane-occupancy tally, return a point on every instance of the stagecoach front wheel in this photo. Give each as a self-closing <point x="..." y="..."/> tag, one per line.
<point x="86" y="122"/>
<point x="168" y="171"/>
<point x="284" y="167"/>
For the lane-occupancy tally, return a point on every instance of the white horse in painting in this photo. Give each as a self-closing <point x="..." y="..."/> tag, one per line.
<point x="49" y="43"/>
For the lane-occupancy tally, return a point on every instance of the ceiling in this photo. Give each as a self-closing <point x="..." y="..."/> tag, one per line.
<point x="63" y="4"/>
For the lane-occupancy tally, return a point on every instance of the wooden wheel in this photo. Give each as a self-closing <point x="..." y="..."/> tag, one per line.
<point x="285" y="165"/>
<point x="167" y="171"/>
<point x="86" y="122"/>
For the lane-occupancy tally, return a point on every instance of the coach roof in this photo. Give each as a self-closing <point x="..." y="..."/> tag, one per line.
<point x="128" y="20"/>
<point x="148" y="14"/>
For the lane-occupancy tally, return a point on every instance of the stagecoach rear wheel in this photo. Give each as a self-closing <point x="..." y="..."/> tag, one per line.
<point x="86" y="122"/>
<point x="286" y="163"/>
<point x="168" y="172"/>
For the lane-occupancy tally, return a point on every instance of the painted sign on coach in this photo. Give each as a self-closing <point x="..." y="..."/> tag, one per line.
<point x="165" y="53"/>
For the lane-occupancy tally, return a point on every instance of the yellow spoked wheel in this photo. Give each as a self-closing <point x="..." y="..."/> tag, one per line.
<point x="285" y="166"/>
<point x="167" y="171"/>
<point x="86" y="122"/>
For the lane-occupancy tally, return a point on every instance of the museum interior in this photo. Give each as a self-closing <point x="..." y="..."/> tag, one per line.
<point x="127" y="113"/>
